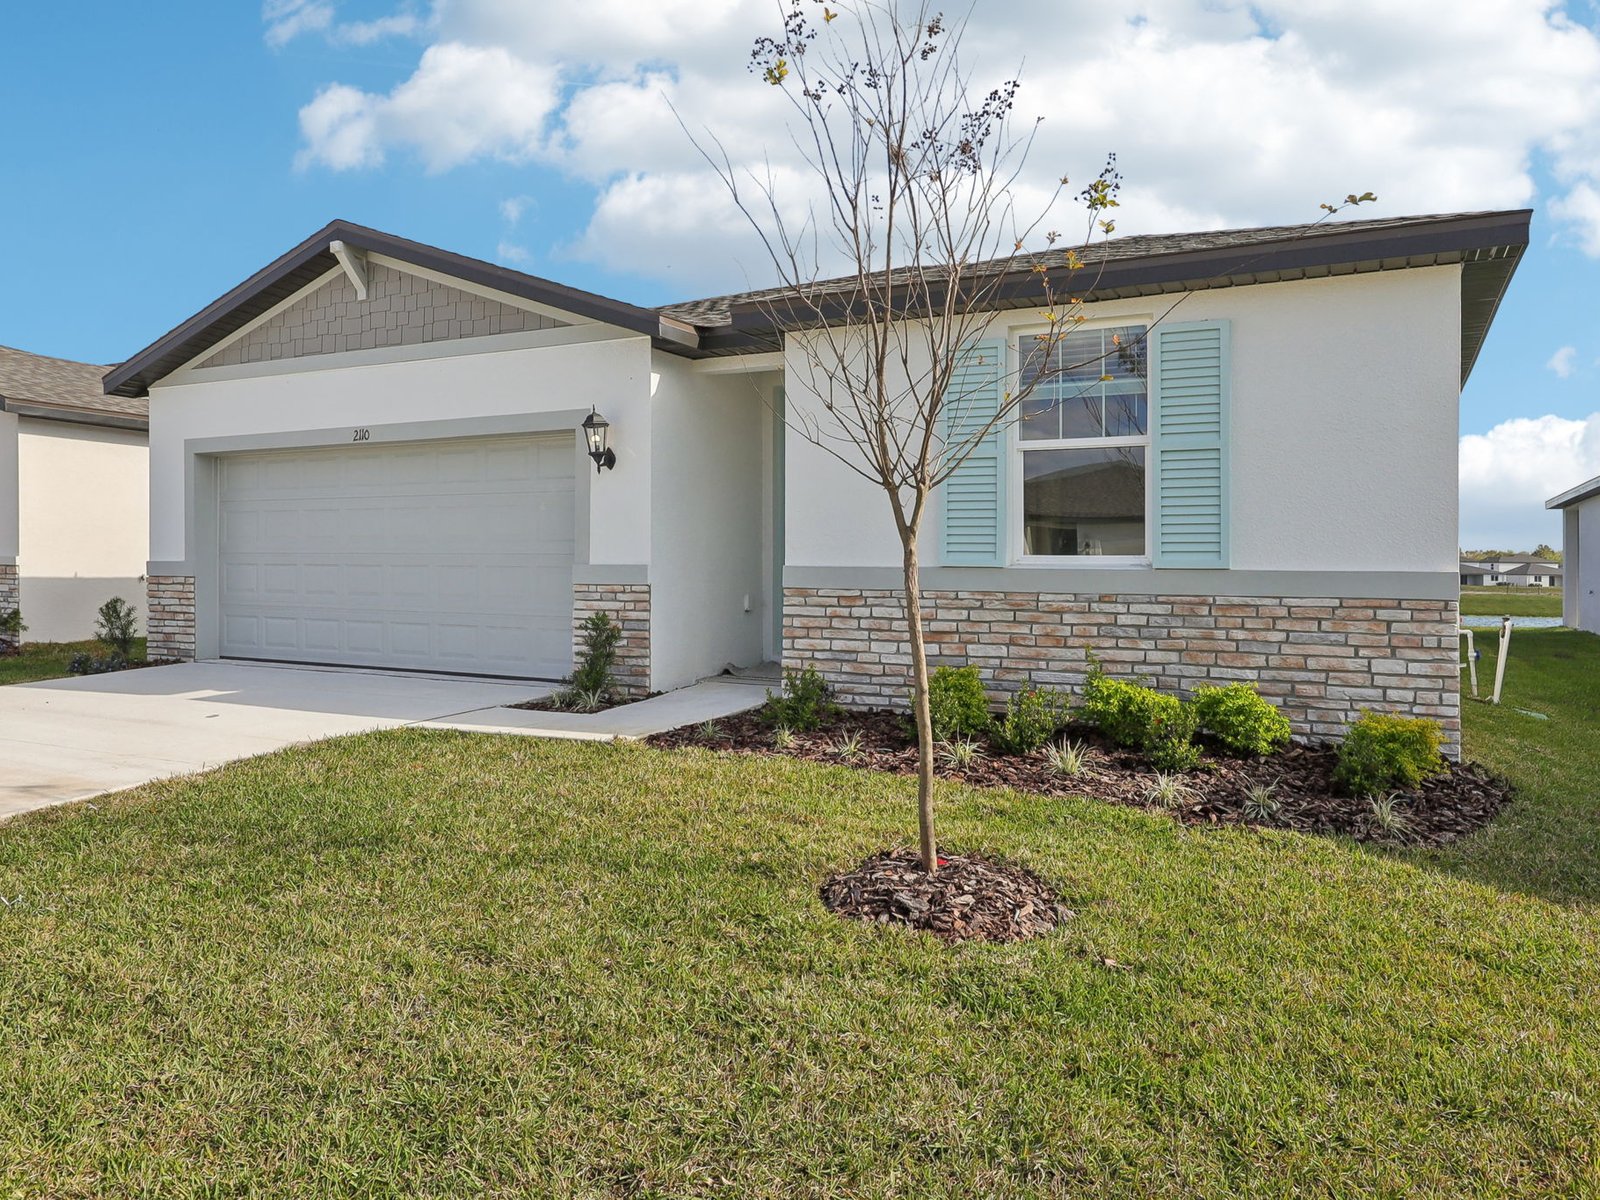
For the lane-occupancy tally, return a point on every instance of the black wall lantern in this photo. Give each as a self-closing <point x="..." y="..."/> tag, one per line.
<point x="594" y="429"/>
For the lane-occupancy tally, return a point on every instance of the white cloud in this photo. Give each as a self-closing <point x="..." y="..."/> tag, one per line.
<point x="1221" y="111"/>
<point x="462" y="103"/>
<point x="1508" y="473"/>
<point x="1563" y="362"/>
<point x="1579" y="210"/>
<point x="364" y="33"/>
<point x="510" y="252"/>
<point x="288" y="19"/>
<point x="512" y="208"/>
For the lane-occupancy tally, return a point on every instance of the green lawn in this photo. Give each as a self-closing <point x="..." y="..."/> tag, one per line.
<point x="1511" y="602"/>
<point x="48" y="660"/>
<point x="422" y="963"/>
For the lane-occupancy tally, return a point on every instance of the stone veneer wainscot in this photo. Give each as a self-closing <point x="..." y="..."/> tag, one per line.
<point x="628" y="604"/>
<point x="170" y="625"/>
<point x="1321" y="660"/>
<point x="10" y="598"/>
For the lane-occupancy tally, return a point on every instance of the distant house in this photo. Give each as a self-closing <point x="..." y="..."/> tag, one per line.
<point x="1535" y="574"/>
<point x="1580" y="531"/>
<point x="74" y="487"/>
<point x="1511" y="570"/>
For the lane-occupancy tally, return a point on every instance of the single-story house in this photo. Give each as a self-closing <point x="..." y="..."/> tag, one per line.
<point x="74" y="495"/>
<point x="370" y="453"/>
<point x="1511" y="570"/>
<point x="1534" y="574"/>
<point x="1580" y="529"/>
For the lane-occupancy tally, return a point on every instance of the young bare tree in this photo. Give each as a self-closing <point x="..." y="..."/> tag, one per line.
<point x="919" y="233"/>
<point x="917" y="203"/>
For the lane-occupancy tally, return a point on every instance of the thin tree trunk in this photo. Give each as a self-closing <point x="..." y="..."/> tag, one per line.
<point x="919" y="705"/>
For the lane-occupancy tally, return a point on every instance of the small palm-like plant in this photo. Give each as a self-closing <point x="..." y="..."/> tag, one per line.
<point x="588" y="700"/>
<point x="783" y="738"/>
<point x="1387" y="817"/>
<point x="1068" y="759"/>
<point x="1261" y="802"/>
<point x="1167" y="790"/>
<point x="959" y="752"/>
<point x="710" y="730"/>
<point x="848" y="748"/>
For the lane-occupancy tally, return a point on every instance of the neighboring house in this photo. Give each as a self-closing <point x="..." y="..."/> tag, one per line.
<point x="1511" y="570"/>
<point x="1534" y="574"/>
<point x="74" y="495"/>
<point x="1580" y="553"/>
<point x="369" y="453"/>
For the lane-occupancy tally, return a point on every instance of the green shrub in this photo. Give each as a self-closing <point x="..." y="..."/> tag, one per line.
<point x="1031" y="719"/>
<point x="1142" y="718"/>
<point x="1384" y="752"/>
<point x="117" y="624"/>
<point x="958" y="704"/>
<point x="593" y="676"/>
<point x="1169" y="745"/>
<point x="1241" y="719"/>
<point x="805" y="701"/>
<point x="1125" y="712"/>
<point x="11" y="626"/>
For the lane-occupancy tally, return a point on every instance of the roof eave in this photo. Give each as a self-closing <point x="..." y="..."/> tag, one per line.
<point x="1575" y="495"/>
<point x="1488" y="244"/>
<point x="291" y="272"/>
<point x="74" y="416"/>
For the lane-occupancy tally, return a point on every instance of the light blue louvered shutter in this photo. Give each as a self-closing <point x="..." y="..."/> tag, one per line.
<point x="1189" y="444"/>
<point x="974" y="527"/>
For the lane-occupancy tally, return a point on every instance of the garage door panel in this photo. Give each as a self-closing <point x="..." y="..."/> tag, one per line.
<point x="450" y="556"/>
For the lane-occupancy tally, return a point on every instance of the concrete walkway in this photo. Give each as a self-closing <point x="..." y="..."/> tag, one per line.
<point x="703" y="701"/>
<point x="69" y="739"/>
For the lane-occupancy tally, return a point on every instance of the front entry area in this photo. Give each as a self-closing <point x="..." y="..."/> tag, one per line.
<point x="448" y="556"/>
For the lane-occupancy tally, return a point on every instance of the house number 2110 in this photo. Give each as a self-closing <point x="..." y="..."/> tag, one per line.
<point x="362" y="435"/>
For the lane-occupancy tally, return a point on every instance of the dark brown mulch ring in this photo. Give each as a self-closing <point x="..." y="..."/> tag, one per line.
<point x="966" y="899"/>
<point x="1299" y="780"/>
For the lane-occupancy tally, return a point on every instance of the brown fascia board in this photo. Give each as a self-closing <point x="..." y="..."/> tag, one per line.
<point x="1490" y="244"/>
<point x="74" y="416"/>
<point x="286" y="275"/>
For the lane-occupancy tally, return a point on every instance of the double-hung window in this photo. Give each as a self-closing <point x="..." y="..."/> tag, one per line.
<point x="1084" y="438"/>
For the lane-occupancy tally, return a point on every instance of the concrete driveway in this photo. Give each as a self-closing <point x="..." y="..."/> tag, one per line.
<point x="67" y="739"/>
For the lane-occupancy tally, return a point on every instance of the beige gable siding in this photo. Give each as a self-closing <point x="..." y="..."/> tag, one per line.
<point x="400" y="310"/>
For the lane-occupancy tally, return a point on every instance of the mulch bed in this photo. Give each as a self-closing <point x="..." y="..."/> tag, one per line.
<point x="967" y="899"/>
<point x="548" y="704"/>
<point x="1464" y="798"/>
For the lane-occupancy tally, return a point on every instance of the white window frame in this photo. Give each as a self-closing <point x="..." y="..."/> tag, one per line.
<point x="1016" y="447"/>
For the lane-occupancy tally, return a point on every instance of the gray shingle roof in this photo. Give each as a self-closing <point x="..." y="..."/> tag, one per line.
<point x="718" y="310"/>
<point x="37" y="385"/>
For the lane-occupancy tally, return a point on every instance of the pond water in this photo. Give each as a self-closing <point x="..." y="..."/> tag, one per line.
<point x="1516" y="622"/>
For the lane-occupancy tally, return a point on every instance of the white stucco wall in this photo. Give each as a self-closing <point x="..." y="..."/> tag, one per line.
<point x="82" y="524"/>
<point x="612" y="374"/>
<point x="708" y="590"/>
<point x="1581" y="554"/>
<point x="1344" y="430"/>
<point x="683" y="506"/>
<point x="8" y="487"/>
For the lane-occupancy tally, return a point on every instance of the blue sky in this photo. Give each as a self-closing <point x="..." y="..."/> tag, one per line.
<point x="157" y="154"/>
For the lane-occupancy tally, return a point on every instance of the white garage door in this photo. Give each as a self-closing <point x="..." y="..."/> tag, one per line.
<point x="438" y="556"/>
